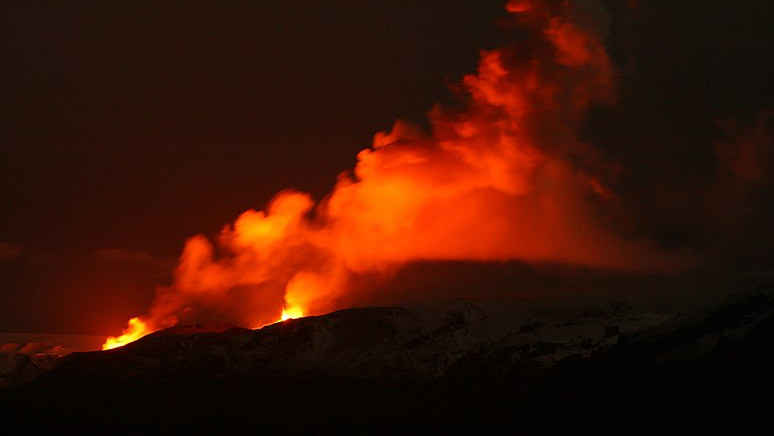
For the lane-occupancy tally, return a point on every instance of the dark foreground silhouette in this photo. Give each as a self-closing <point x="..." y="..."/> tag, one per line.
<point x="443" y="369"/>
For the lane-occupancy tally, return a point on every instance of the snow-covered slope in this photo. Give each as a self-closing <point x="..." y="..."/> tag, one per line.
<point x="421" y="342"/>
<point x="412" y="342"/>
<point x="454" y="367"/>
<point x="708" y="329"/>
<point x="24" y="356"/>
<point x="23" y="363"/>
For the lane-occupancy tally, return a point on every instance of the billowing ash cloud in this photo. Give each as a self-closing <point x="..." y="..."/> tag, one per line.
<point x="505" y="178"/>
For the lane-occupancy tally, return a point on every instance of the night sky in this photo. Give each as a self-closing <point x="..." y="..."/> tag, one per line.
<point x="126" y="127"/>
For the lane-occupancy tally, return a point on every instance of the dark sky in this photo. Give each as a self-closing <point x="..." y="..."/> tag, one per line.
<point x="126" y="127"/>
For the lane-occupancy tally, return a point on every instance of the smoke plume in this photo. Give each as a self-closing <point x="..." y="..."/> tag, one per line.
<point x="504" y="178"/>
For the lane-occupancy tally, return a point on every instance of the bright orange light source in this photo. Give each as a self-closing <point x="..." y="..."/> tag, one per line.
<point x="291" y="314"/>
<point x="135" y="330"/>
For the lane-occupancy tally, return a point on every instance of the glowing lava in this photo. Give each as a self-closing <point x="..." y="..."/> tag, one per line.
<point x="135" y="329"/>
<point x="291" y="314"/>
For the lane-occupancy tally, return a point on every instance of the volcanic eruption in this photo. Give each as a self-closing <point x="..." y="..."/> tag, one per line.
<point x="503" y="175"/>
<point x="577" y="239"/>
